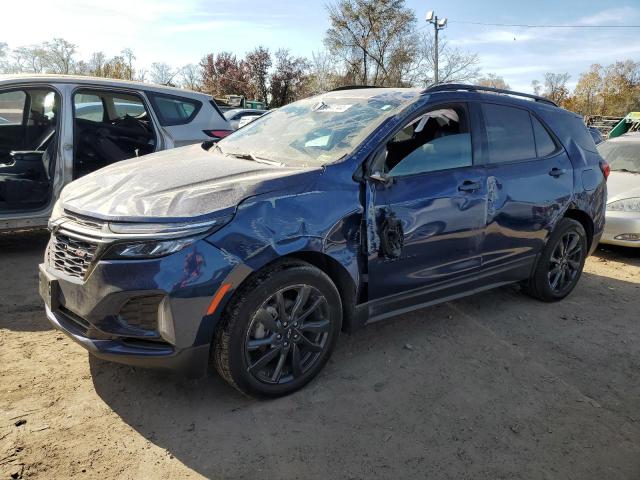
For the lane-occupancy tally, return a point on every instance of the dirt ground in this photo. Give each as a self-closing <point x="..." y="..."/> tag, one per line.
<point x="493" y="386"/>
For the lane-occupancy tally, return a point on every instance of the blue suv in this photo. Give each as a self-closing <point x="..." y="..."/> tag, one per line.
<point x="254" y="253"/>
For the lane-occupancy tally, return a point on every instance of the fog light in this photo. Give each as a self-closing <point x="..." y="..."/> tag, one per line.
<point x="630" y="237"/>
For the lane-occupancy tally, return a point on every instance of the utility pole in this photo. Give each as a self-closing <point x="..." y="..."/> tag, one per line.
<point x="438" y="24"/>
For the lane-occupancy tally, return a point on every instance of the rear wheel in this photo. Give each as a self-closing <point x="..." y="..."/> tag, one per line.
<point x="561" y="262"/>
<point x="279" y="330"/>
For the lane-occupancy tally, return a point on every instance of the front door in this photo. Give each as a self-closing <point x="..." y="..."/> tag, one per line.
<point x="427" y="206"/>
<point x="29" y="126"/>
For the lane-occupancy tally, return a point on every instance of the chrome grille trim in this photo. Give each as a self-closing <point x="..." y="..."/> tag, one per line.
<point x="70" y="255"/>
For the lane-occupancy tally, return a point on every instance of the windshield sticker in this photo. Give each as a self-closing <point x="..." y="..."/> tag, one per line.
<point x="323" y="107"/>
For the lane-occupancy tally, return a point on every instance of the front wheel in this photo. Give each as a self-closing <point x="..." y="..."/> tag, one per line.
<point x="561" y="262"/>
<point x="279" y="330"/>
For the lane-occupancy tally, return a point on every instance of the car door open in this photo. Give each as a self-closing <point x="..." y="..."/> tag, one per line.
<point x="28" y="139"/>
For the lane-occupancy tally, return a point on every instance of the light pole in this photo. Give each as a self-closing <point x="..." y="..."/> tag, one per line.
<point x="438" y="24"/>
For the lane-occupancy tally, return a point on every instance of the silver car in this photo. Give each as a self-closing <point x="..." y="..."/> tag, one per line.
<point x="623" y="202"/>
<point x="56" y="128"/>
<point x="237" y="116"/>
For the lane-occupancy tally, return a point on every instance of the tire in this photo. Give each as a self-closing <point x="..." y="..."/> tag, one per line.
<point x="556" y="273"/>
<point x="256" y="338"/>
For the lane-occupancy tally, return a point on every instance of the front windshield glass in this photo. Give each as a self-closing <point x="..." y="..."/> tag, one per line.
<point x="621" y="156"/>
<point x="317" y="130"/>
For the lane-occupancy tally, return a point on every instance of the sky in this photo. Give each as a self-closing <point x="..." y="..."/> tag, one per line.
<point x="181" y="32"/>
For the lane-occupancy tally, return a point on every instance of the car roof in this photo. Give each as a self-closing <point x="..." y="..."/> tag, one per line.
<point x="455" y="94"/>
<point x="100" y="81"/>
<point x="365" y="93"/>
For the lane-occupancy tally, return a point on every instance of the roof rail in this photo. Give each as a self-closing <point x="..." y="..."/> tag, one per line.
<point x="447" y="87"/>
<point x="353" y="87"/>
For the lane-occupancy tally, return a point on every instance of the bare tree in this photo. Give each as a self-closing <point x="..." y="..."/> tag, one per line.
<point x="191" y="76"/>
<point x="322" y="75"/>
<point x="96" y="64"/>
<point x="129" y="57"/>
<point x="161" y="73"/>
<point x="454" y="64"/>
<point x="374" y="38"/>
<point x="555" y="86"/>
<point x="493" y="80"/>
<point x="141" y="74"/>
<point x="59" y="55"/>
<point x="29" y="59"/>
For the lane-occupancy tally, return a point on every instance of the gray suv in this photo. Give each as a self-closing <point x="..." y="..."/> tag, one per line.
<point x="56" y="128"/>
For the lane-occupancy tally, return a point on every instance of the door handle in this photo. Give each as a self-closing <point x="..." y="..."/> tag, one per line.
<point x="469" y="186"/>
<point x="556" y="172"/>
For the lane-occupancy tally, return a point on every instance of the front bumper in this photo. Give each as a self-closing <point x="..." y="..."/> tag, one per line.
<point x="179" y="333"/>
<point x="620" y="223"/>
<point x="191" y="362"/>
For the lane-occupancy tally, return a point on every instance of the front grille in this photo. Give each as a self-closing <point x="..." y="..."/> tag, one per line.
<point x="141" y="312"/>
<point x="70" y="255"/>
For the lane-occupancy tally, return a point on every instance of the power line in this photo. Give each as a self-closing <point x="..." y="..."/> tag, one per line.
<point x="541" y="26"/>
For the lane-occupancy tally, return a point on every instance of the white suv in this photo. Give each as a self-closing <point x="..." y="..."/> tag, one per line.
<point x="56" y="128"/>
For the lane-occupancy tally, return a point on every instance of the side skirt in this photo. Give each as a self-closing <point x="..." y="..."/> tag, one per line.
<point x="404" y="302"/>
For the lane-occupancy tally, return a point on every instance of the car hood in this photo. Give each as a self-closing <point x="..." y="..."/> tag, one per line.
<point x="182" y="184"/>
<point x="621" y="185"/>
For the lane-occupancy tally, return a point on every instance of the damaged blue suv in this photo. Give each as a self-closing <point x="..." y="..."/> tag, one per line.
<point x="253" y="254"/>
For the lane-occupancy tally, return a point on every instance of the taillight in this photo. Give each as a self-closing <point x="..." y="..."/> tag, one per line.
<point x="606" y="169"/>
<point x="218" y="133"/>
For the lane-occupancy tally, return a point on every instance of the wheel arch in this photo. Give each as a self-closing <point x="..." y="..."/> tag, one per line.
<point x="338" y="273"/>
<point x="585" y="220"/>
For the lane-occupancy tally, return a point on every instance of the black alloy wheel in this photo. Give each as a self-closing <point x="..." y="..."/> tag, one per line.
<point x="278" y="330"/>
<point x="560" y="263"/>
<point x="287" y="334"/>
<point x="565" y="262"/>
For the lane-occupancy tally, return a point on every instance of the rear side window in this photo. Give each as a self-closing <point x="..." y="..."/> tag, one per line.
<point x="544" y="142"/>
<point x="174" y="110"/>
<point x="88" y="107"/>
<point x="509" y="133"/>
<point x="12" y="107"/>
<point x="131" y="105"/>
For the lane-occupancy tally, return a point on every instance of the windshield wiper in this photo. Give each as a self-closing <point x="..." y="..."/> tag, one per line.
<point x="251" y="156"/>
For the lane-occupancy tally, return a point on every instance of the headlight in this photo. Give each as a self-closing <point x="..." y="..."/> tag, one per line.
<point x="148" y="249"/>
<point x="625" y="205"/>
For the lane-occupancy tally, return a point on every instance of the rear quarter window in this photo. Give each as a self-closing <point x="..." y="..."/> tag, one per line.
<point x="173" y="110"/>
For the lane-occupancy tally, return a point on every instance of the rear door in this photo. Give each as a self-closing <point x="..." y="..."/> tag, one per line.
<point x="529" y="184"/>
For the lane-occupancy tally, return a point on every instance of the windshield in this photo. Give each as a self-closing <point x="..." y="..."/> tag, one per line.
<point x="317" y="130"/>
<point x="621" y="156"/>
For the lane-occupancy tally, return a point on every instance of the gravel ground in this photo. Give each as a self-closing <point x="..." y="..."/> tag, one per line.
<point x="493" y="386"/>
